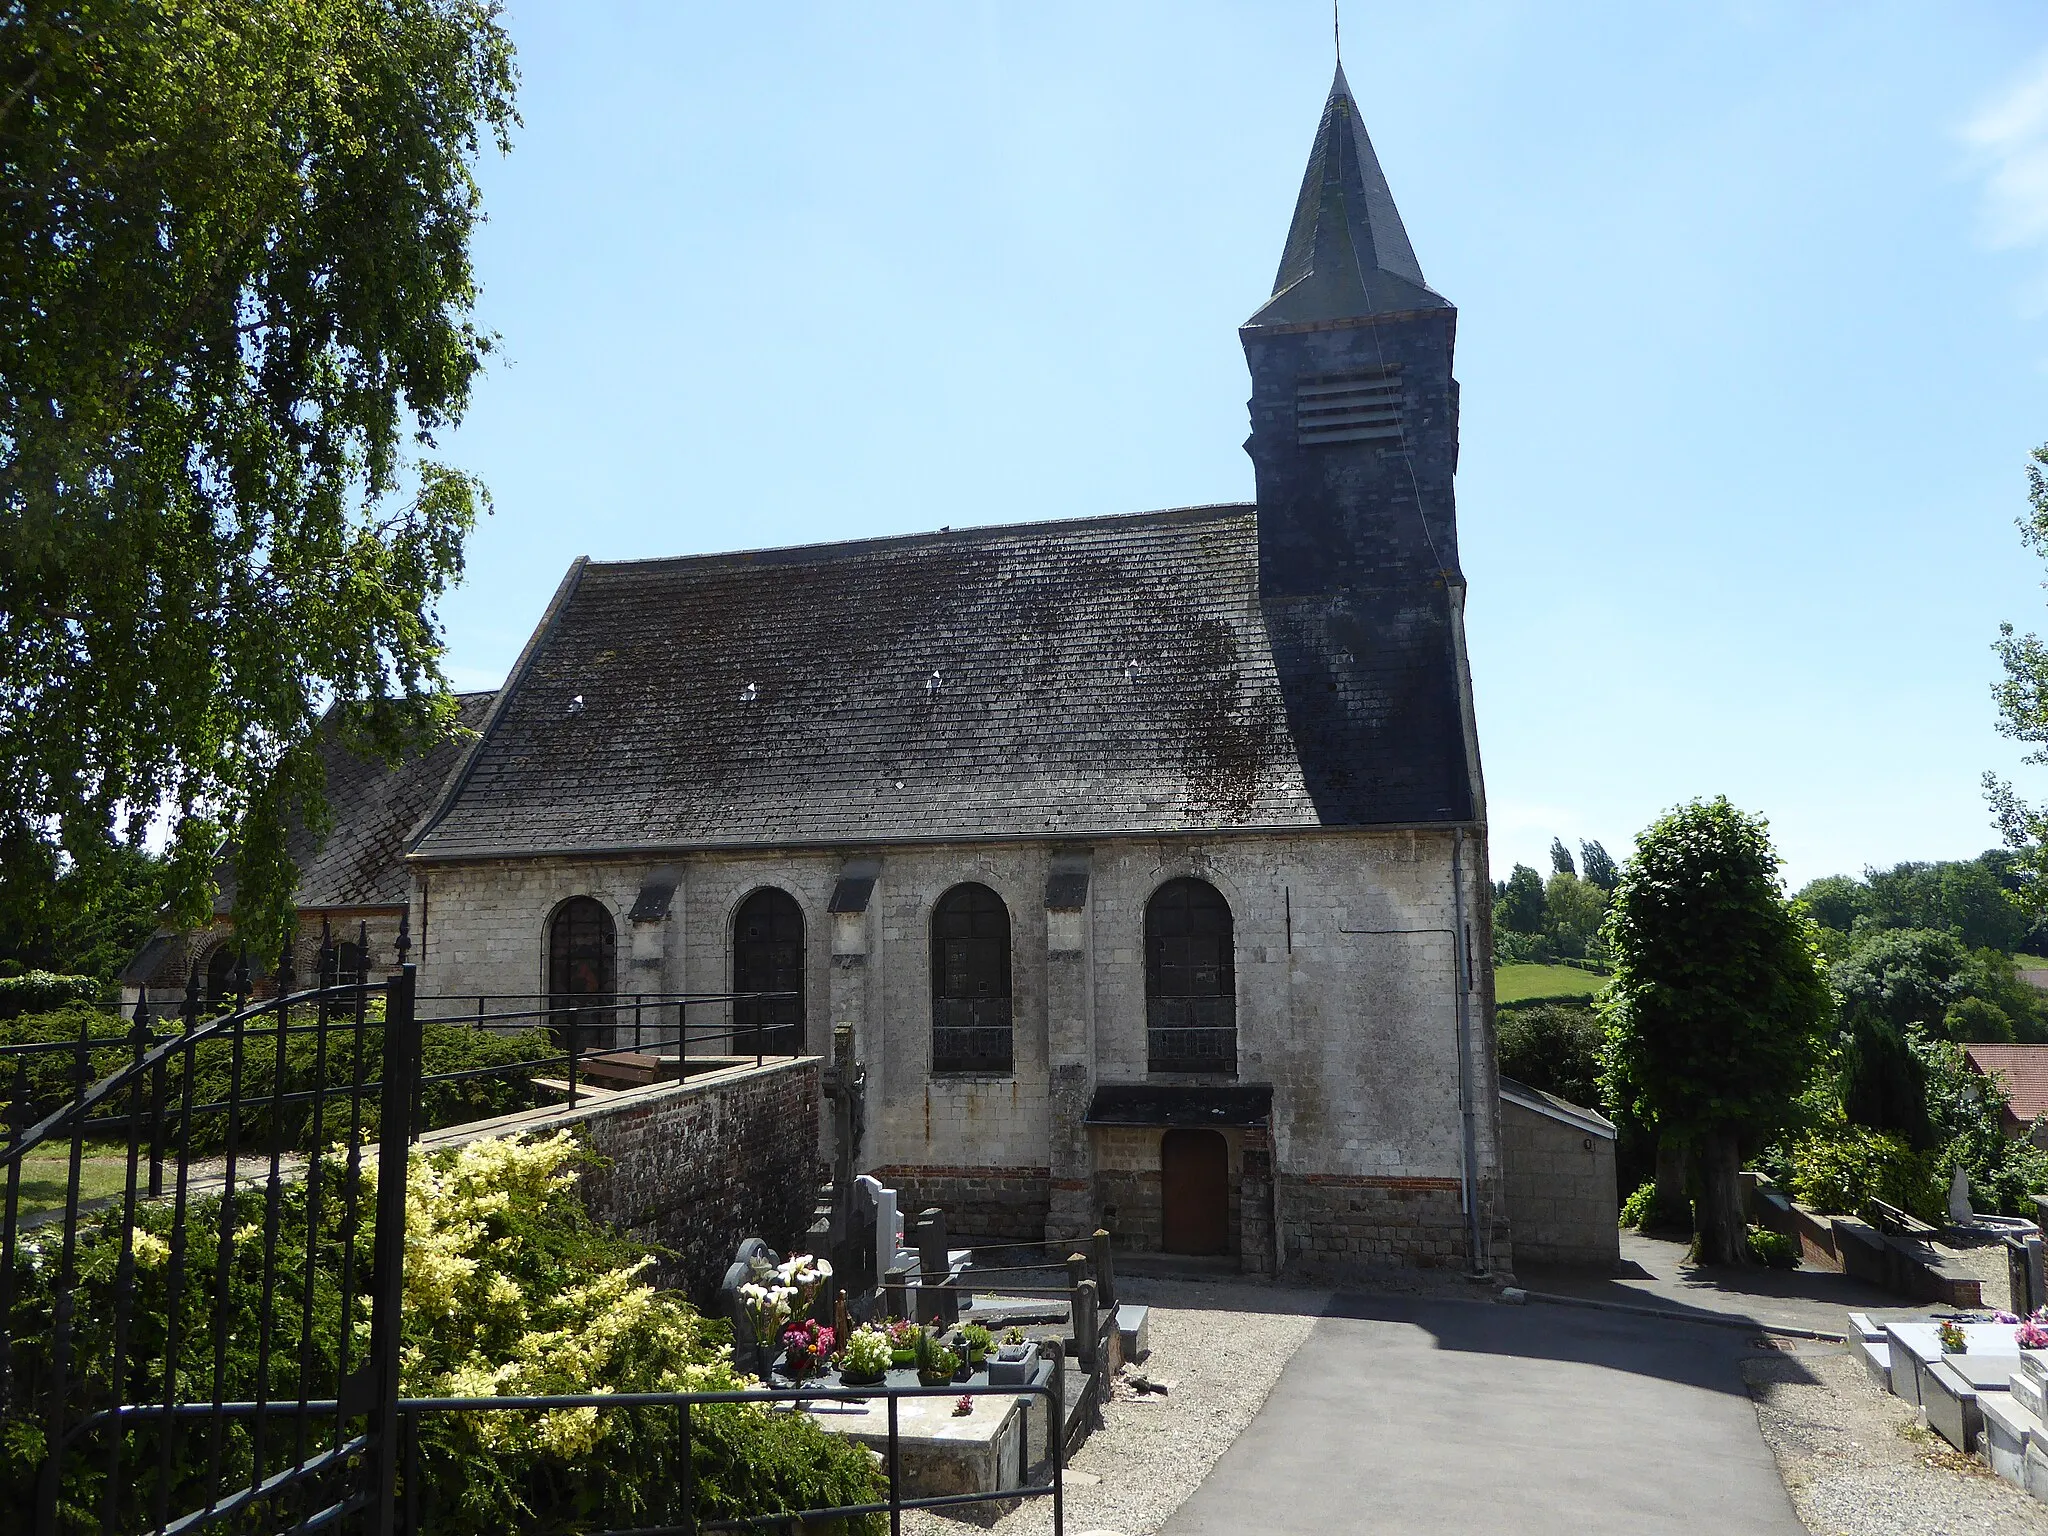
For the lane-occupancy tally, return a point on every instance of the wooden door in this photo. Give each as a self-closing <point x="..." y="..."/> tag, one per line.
<point x="1195" y="1191"/>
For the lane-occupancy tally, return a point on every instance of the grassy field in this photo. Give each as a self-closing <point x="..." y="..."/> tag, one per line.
<point x="1512" y="982"/>
<point x="103" y="1171"/>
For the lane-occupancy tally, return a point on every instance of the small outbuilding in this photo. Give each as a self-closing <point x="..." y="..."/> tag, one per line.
<point x="1558" y="1162"/>
<point x="2022" y="1070"/>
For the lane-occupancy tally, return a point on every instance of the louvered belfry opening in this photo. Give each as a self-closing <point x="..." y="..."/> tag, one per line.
<point x="582" y="966"/>
<point x="1190" y="980"/>
<point x="768" y="956"/>
<point x="1349" y="408"/>
<point x="971" y="982"/>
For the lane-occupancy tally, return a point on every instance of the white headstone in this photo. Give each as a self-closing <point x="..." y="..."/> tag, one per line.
<point x="1959" y="1212"/>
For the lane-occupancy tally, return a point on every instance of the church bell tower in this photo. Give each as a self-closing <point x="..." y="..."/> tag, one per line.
<point x="1354" y="410"/>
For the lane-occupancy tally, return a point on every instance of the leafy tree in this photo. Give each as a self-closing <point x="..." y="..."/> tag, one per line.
<point x="1573" y="910"/>
<point x="1971" y="1020"/>
<point x="1561" y="858"/>
<point x="235" y="298"/>
<point x="2022" y="701"/>
<point x="1963" y="897"/>
<point x="1598" y="866"/>
<point x="1916" y="976"/>
<point x="1518" y="901"/>
<point x="88" y="926"/>
<point x="1715" y="1014"/>
<point x="1835" y="901"/>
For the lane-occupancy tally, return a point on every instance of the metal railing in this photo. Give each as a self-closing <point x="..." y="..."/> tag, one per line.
<point x="1191" y="1034"/>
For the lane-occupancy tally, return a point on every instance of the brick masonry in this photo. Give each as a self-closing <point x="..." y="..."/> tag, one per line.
<point x="1561" y="1190"/>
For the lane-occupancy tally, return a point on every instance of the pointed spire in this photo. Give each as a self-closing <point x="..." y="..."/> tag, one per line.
<point x="1347" y="253"/>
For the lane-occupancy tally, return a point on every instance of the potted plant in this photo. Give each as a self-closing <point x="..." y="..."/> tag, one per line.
<point x="1953" y="1340"/>
<point x="979" y="1341"/>
<point x="935" y="1363"/>
<point x="864" y="1361"/>
<point x="2032" y="1333"/>
<point x="903" y="1343"/>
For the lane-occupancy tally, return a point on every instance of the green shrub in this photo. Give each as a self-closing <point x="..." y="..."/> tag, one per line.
<point x="41" y="991"/>
<point x="1840" y="1170"/>
<point x="1555" y="1047"/>
<point x="1774" y="1249"/>
<point x="1643" y="1212"/>
<point x="510" y="1289"/>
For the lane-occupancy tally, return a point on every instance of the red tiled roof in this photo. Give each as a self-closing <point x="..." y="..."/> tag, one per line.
<point x="2024" y="1069"/>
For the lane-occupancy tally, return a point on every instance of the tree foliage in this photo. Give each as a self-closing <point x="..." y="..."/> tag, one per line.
<point x="1561" y="858"/>
<point x="1518" y="901"/>
<point x="2022" y="701"/>
<point x="1597" y="866"/>
<point x="235" y="298"/>
<point x="1716" y="1012"/>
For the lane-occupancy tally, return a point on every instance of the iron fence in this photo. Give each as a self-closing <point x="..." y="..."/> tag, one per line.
<point x="167" y="1333"/>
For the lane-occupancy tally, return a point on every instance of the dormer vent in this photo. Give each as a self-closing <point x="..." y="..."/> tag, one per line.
<point x="1349" y="408"/>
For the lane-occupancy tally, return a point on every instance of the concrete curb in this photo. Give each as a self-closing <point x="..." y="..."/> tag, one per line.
<point x="1514" y="1296"/>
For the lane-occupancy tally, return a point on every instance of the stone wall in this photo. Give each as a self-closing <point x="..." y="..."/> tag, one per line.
<point x="1562" y="1199"/>
<point x="1338" y="1225"/>
<point x="981" y="1204"/>
<point x="697" y="1166"/>
<point x="1346" y="950"/>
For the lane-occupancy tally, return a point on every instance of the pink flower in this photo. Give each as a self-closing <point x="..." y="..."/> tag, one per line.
<point x="2031" y="1335"/>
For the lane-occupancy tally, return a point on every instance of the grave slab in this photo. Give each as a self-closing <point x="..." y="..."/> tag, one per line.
<point x="2006" y="1429"/>
<point x="989" y="1449"/>
<point x="1951" y="1405"/>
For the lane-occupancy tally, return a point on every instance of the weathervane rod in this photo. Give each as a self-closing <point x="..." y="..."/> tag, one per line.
<point x="1337" y="30"/>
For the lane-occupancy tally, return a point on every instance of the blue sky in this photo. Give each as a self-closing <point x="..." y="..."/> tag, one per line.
<point x="1753" y="338"/>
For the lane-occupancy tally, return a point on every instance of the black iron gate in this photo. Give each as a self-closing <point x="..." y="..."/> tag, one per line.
<point x="202" y="1266"/>
<point x="182" y="1226"/>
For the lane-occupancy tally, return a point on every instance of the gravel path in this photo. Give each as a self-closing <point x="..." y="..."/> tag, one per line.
<point x="1222" y="1345"/>
<point x="1856" y="1464"/>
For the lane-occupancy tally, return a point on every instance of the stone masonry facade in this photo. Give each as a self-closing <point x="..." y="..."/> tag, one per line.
<point x="1348" y="958"/>
<point x="1561" y="1191"/>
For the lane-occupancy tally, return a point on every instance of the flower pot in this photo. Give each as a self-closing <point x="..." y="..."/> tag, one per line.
<point x="851" y="1378"/>
<point x="931" y="1379"/>
<point x="902" y="1359"/>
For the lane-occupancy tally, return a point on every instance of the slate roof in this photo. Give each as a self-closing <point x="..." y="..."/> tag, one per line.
<point x="1095" y="676"/>
<point x="1347" y="251"/>
<point x="2025" y="1070"/>
<point x="361" y="862"/>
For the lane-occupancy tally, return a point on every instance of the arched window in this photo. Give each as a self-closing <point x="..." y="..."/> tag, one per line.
<point x="348" y="963"/>
<point x="768" y="956"/>
<point x="220" y="976"/>
<point x="971" y="981"/>
<point x="1190" y="983"/>
<point x="582" y="963"/>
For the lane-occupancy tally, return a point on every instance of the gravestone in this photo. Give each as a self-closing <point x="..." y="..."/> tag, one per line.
<point x="1959" y="1212"/>
<point x="747" y="1355"/>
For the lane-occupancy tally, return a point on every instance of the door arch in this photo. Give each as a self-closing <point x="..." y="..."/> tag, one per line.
<point x="1194" y="1193"/>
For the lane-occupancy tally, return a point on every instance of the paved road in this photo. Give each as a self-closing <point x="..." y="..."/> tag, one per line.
<point x="1440" y="1417"/>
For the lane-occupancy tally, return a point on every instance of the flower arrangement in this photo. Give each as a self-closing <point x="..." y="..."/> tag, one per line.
<point x="805" y="1349"/>
<point x="978" y="1342"/>
<point x="964" y="1407"/>
<point x="2032" y="1334"/>
<point x="866" y="1357"/>
<point x="903" y="1337"/>
<point x="1953" y="1340"/>
<point x="1015" y="1336"/>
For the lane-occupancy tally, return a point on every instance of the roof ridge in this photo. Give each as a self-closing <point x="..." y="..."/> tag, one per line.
<point x="847" y="548"/>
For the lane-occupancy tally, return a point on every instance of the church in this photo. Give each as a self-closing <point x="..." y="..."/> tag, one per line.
<point x="1145" y="855"/>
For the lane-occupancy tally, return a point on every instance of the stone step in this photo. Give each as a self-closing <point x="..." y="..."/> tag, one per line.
<point x="1860" y="1326"/>
<point x="1876" y="1356"/>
